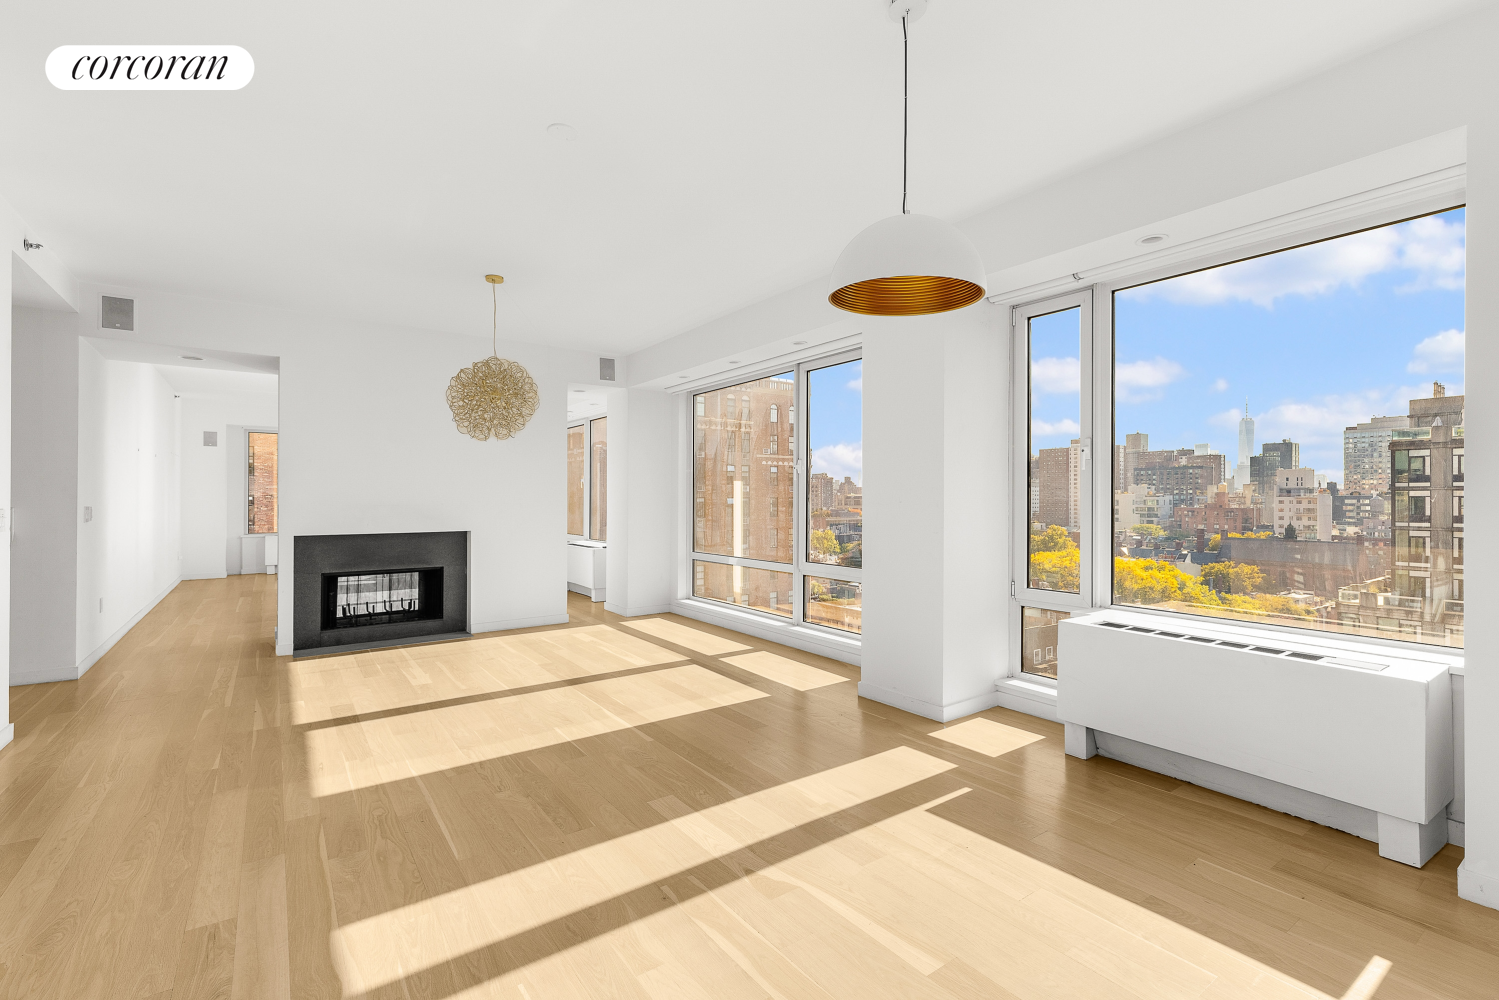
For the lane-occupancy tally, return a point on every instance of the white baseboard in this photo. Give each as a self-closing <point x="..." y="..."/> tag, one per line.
<point x="49" y="675"/>
<point x="761" y="626"/>
<point x="7" y="733"/>
<point x="1021" y="695"/>
<point x="925" y="709"/>
<point x="1476" y="887"/>
<point x="644" y="609"/>
<point x="510" y="623"/>
<point x="284" y="649"/>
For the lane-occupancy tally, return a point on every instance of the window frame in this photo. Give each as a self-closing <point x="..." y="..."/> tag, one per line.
<point x="587" y="424"/>
<point x="1330" y="222"/>
<point x="1020" y="589"/>
<point x="800" y="567"/>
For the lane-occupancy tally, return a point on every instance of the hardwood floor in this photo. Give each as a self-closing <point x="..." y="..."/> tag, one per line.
<point x="643" y="808"/>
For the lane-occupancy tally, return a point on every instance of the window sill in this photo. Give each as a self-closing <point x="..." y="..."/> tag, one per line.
<point x="846" y="648"/>
<point x="1029" y="694"/>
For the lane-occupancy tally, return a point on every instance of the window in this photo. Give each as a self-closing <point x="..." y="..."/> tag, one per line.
<point x="767" y="535"/>
<point x="261" y="505"/>
<point x="1271" y="387"/>
<point x="588" y="479"/>
<point x="1038" y="641"/>
<point x="575" y="480"/>
<point x="598" y="474"/>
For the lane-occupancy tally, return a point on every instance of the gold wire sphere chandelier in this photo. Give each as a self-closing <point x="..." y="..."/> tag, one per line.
<point x="907" y="265"/>
<point x="495" y="397"/>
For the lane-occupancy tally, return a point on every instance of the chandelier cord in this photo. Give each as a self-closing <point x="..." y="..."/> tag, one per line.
<point x="905" y="110"/>
<point x="494" y="321"/>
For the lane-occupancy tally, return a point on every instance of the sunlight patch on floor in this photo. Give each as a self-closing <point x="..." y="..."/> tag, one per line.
<point x="784" y="670"/>
<point x="383" y="949"/>
<point x="375" y="751"/>
<point x="380" y="680"/>
<point x="682" y="635"/>
<point x="913" y="905"/>
<point x="987" y="737"/>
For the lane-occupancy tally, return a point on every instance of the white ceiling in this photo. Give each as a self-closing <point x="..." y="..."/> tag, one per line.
<point x="386" y="157"/>
<point x="183" y="357"/>
<point x="29" y="289"/>
<point x="583" y="402"/>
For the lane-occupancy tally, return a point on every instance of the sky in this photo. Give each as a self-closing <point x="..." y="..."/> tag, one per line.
<point x="835" y="425"/>
<point x="1317" y="339"/>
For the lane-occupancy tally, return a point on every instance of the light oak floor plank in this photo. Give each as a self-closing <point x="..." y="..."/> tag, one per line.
<point x="645" y="808"/>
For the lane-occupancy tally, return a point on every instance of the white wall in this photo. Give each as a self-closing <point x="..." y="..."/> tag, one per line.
<point x="129" y="554"/>
<point x="643" y="499"/>
<point x="367" y="443"/>
<point x="44" y="453"/>
<point x="213" y="478"/>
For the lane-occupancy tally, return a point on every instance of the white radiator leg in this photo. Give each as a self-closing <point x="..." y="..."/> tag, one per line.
<point x="1411" y="843"/>
<point x="1080" y="741"/>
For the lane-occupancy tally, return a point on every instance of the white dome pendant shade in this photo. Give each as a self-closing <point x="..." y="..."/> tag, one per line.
<point x="908" y="265"/>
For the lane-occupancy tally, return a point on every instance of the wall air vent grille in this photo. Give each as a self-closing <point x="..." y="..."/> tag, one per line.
<point x="116" y="313"/>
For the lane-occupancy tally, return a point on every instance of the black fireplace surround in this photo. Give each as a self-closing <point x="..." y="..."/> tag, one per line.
<point x="363" y="591"/>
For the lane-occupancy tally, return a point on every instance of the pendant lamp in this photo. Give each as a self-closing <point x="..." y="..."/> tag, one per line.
<point x="907" y="265"/>
<point x="496" y="397"/>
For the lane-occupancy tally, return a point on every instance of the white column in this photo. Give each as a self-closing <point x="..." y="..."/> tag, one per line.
<point x="1478" y="878"/>
<point x="644" y="499"/>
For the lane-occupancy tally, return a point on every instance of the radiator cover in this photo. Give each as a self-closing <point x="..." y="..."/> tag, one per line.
<point x="1366" y="726"/>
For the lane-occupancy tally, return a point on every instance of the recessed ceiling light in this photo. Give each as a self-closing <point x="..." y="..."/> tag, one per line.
<point x="798" y="343"/>
<point x="733" y="362"/>
<point x="1152" y="239"/>
<point x="577" y="390"/>
<point x="563" y="131"/>
<point x="681" y="376"/>
<point x="189" y="357"/>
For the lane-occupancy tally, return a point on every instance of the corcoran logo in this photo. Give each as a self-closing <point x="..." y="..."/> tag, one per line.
<point x="149" y="67"/>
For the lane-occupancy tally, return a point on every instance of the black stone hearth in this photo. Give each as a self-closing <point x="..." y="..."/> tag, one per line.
<point x="362" y="591"/>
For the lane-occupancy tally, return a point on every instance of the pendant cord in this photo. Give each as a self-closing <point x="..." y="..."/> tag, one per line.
<point x="905" y="110"/>
<point x="494" y="322"/>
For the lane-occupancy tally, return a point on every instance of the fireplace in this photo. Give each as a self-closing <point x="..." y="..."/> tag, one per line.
<point x="363" y="591"/>
<point x="354" y="600"/>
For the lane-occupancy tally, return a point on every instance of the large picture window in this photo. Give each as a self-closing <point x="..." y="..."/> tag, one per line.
<point x="777" y="512"/>
<point x="1289" y="443"/>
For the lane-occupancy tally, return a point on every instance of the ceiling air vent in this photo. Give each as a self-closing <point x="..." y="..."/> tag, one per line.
<point x="606" y="369"/>
<point x="116" y="313"/>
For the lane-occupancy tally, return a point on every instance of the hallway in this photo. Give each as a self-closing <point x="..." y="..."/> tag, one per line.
<point x="645" y="807"/>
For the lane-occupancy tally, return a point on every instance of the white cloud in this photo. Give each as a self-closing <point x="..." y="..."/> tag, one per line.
<point x="1056" y="375"/>
<point x="1228" y="418"/>
<point x="1138" y="381"/>
<point x="1041" y="428"/>
<point x="1442" y="352"/>
<point x="839" y="460"/>
<point x="1432" y="250"/>
<point x="857" y="385"/>
<point x="1220" y="384"/>
<point x="1317" y="424"/>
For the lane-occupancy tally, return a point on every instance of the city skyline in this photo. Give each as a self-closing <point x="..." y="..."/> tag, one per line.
<point x="1277" y="329"/>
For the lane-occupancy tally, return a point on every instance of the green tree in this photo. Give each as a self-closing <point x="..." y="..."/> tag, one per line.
<point x="825" y="543"/>
<point x="1053" y="539"/>
<point x="1233" y="577"/>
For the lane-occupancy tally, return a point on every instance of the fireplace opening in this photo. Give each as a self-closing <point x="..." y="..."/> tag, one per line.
<point x="384" y="597"/>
